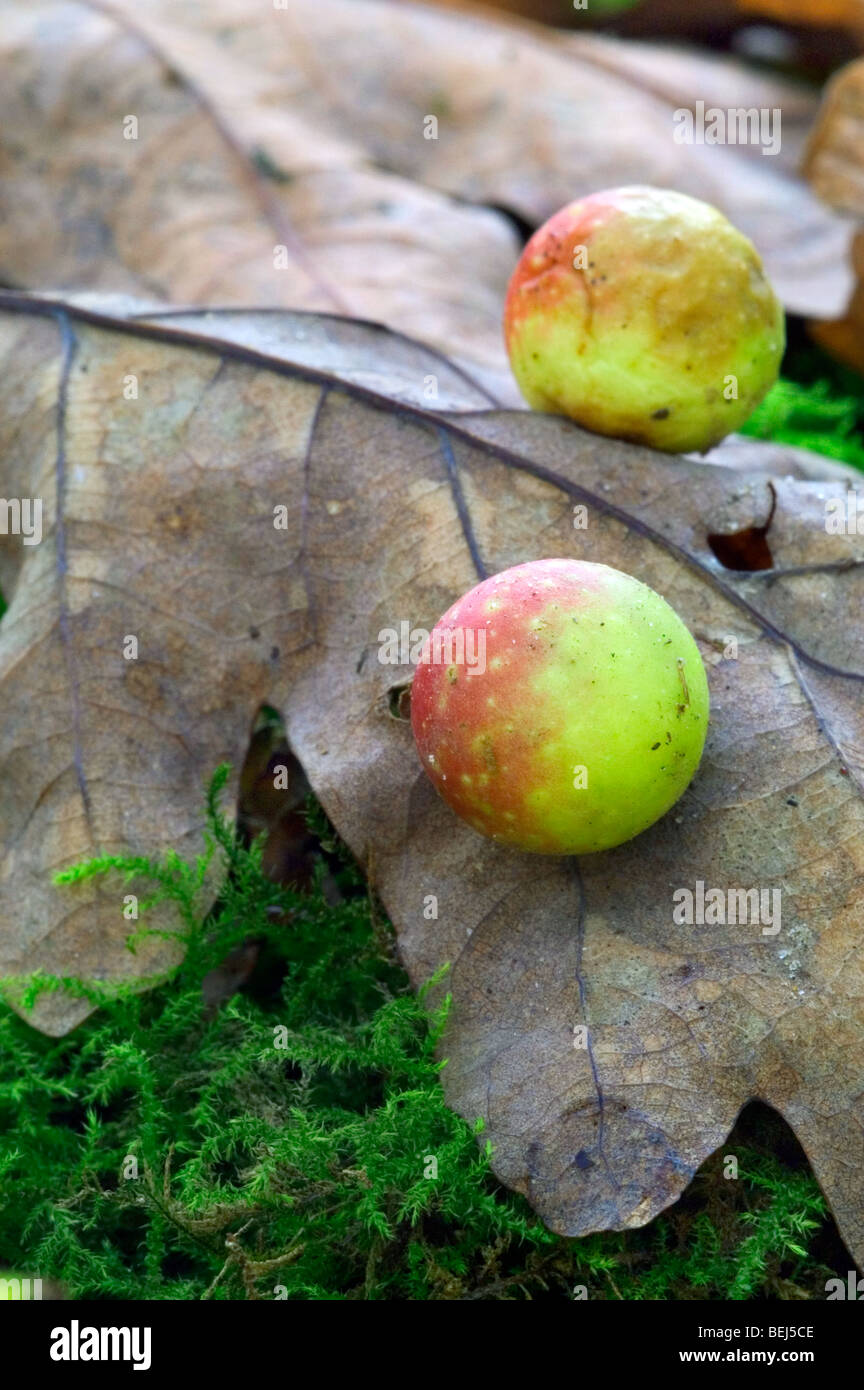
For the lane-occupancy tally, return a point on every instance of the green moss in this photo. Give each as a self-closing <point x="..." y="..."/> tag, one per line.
<point x="813" y="417"/>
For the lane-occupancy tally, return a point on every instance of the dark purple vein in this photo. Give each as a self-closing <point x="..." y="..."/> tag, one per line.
<point x="198" y="311"/>
<point x="304" y="512"/>
<point x="583" y="1003"/>
<point x="69" y="345"/>
<point x="462" y="510"/>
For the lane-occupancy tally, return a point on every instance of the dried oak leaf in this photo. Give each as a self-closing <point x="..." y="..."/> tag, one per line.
<point x="304" y="128"/>
<point x="159" y="523"/>
<point x="834" y="164"/>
